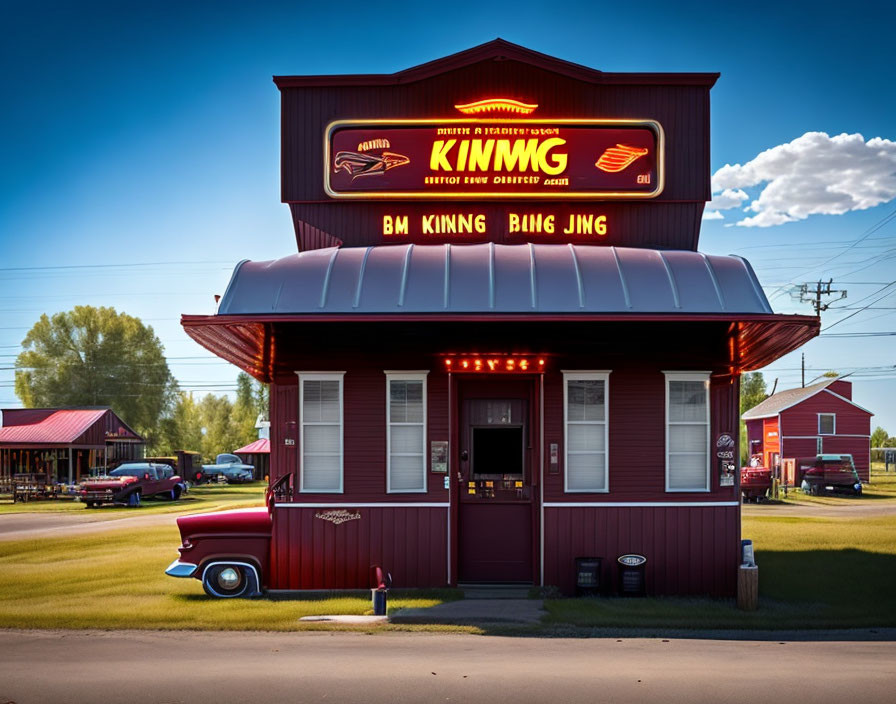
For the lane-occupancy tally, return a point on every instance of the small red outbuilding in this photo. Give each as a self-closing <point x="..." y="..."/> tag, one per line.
<point x="820" y="418"/>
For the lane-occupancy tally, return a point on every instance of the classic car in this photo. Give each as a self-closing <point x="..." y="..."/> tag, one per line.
<point x="231" y="468"/>
<point x="835" y="473"/>
<point x="131" y="482"/>
<point x="228" y="551"/>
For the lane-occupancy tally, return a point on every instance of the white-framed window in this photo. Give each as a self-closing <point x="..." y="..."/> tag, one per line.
<point x="405" y="432"/>
<point x="321" y="434"/>
<point x="585" y="431"/>
<point x="687" y="431"/>
<point x="827" y="423"/>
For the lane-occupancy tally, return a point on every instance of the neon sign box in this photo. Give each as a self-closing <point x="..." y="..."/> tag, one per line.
<point x="508" y="158"/>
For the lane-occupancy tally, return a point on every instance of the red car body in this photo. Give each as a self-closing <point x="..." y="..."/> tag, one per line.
<point x="755" y="482"/>
<point x="130" y="482"/>
<point x="238" y="540"/>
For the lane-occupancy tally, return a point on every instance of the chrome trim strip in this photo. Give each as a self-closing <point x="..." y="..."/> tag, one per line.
<point x="181" y="569"/>
<point x="394" y="504"/>
<point x="636" y="504"/>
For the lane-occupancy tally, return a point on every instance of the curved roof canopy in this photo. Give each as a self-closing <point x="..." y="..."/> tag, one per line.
<point x="490" y="278"/>
<point x="491" y="283"/>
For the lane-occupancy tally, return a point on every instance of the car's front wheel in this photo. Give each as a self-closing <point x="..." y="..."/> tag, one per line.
<point x="229" y="581"/>
<point x="134" y="499"/>
<point x="176" y="492"/>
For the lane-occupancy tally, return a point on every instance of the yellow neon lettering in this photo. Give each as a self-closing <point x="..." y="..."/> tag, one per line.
<point x="518" y="156"/>
<point x="600" y="224"/>
<point x="438" y="159"/>
<point x="481" y="154"/>
<point x="559" y="160"/>
<point x="480" y="224"/>
<point x="427" y="224"/>
<point x="513" y="224"/>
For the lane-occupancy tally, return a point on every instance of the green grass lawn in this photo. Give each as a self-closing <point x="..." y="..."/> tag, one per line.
<point x="814" y="573"/>
<point x="117" y="580"/>
<point x="208" y="497"/>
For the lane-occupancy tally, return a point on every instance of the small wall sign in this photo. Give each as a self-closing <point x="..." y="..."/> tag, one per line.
<point x="439" y="456"/>
<point x="725" y="458"/>
<point x="338" y="516"/>
<point x="631" y="560"/>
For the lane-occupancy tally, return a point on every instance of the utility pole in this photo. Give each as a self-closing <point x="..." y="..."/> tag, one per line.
<point x="813" y="295"/>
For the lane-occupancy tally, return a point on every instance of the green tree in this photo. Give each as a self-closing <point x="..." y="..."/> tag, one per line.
<point x="218" y="428"/>
<point x="752" y="392"/>
<point x="246" y="409"/>
<point x="879" y="437"/>
<point x="96" y="357"/>
<point x="181" y="428"/>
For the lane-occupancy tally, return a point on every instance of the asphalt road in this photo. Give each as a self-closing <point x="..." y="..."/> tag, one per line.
<point x="24" y="526"/>
<point x="137" y="667"/>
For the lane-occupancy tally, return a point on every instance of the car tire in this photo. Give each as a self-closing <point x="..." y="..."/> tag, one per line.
<point x="229" y="581"/>
<point x="134" y="499"/>
<point x="91" y="504"/>
<point x="176" y="492"/>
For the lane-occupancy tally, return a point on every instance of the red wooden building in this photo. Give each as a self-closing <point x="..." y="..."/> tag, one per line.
<point x="498" y="348"/>
<point x="64" y="443"/>
<point x="819" y="419"/>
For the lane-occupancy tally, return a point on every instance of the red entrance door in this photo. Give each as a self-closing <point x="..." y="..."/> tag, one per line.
<point x="495" y="519"/>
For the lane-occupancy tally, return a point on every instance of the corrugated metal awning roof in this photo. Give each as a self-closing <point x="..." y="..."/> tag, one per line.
<point x="490" y="278"/>
<point x="58" y="428"/>
<point x="262" y="445"/>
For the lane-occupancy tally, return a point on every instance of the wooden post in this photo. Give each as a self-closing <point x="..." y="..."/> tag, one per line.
<point x="748" y="588"/>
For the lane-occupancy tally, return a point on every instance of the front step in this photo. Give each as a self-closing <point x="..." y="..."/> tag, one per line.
<point x="495" y="591"/>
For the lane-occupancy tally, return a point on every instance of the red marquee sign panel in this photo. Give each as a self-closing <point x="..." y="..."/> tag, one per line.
<point x="474" y="159"/>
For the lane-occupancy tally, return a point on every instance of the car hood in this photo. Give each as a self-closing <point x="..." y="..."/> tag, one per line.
<point x="107" y="483"/>
<point x="255" y="521"/>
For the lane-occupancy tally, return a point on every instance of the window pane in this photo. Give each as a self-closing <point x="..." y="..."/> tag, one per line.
<point x="329" y="400"/>
<point x="826" y="424"/>
<point x="585" y="438"/>
<point x="311" y="401"/>
<point x="687" y="438"/>
<point x="585" y="472"/>
<point x="687" y="401"/>
<point x="585" y="400"/>
<point x="407" y="473"/>
<point x="322" y="438"/>
<point x="406" y="438"/>
<point x="320" y="472"/>
<point x="406" y="401"/>
<point x="687" y="471"/>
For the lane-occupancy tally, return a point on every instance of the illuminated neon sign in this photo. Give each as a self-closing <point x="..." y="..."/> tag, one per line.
<point x="496" y="105"/>
<point x="493" y="158"/>
<point x="495" y="364"/>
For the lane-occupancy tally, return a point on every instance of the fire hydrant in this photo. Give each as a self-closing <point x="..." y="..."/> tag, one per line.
<point x="379" y="593"/>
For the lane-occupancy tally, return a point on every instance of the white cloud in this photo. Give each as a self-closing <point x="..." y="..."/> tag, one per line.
<point x="813" y="174"/>
<point x="727" y="199"/>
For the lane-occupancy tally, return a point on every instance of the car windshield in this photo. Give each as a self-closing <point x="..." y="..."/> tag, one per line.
<point x="131" y="470"/>
<point x="227" y="459"/>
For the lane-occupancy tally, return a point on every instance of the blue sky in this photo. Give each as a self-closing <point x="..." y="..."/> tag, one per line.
<point x="140" y="147"/>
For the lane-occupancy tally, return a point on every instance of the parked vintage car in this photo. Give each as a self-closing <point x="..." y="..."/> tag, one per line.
<point x="835" y="473"/>
<point x="231" y="468"/>
<point x="131" y="482"/>
<point x="228" y="551"/>
<point x="187" y="464"/>
<point x="755" y="481"/>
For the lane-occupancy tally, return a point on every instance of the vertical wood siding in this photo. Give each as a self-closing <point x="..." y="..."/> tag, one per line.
<point x="312" y="553"/>
<point x="689" y="551"/>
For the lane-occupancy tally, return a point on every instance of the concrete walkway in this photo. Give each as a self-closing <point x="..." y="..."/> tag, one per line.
<point x="475" y="611"/>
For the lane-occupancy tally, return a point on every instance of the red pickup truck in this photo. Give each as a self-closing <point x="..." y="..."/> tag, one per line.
<point x="755" y="482"/>
<point x="131" y="482"/>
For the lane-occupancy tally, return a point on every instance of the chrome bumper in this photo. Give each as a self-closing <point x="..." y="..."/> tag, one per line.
<point x="181" y="569"/>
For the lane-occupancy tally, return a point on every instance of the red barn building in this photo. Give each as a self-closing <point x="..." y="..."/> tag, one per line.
<point x="498" y="348"/>
<point x="64" y="443"/>
<point x="819" y="419"/>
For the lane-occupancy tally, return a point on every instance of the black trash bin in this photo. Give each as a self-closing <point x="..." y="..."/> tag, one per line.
<point x="588" y="576"/>
<point x="631" y="575"/>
